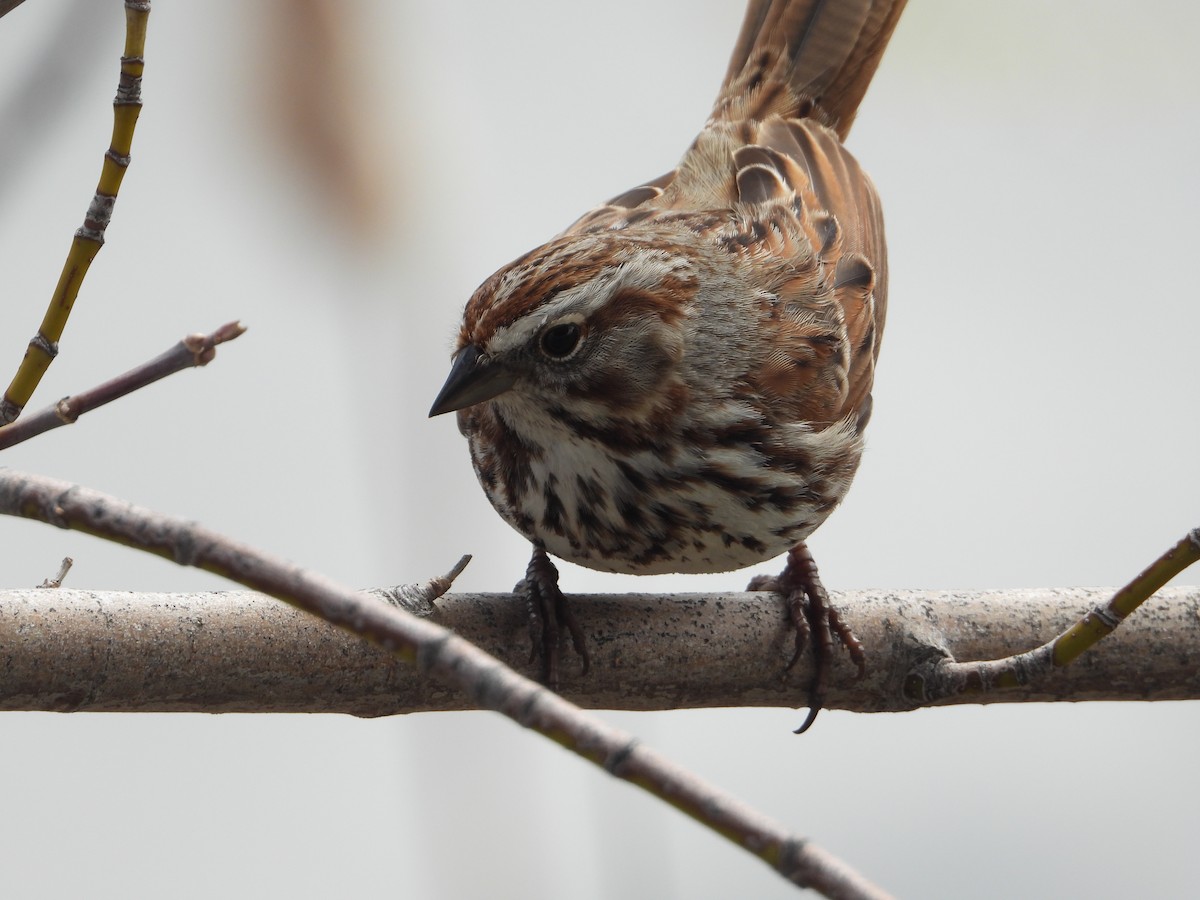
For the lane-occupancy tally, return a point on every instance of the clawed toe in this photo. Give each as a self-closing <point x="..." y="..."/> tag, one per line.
<point x="549" y="613"/>
<point x="816" y="622"/>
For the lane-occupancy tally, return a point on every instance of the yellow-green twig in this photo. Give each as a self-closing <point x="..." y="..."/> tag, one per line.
<point x="90" y="237"/>
<point x="947" y="677"/>
<point x="1103" y="620"/>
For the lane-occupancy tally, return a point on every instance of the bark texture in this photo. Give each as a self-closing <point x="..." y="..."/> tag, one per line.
<point x="72" y="650"/>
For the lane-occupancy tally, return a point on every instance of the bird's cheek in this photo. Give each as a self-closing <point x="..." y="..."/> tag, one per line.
<point x="644" y="378"/>
<point x="606" y="386"/>
<point x="660" y="358"/>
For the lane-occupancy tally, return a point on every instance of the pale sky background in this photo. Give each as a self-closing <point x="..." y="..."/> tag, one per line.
<point x="1035" y="425"/>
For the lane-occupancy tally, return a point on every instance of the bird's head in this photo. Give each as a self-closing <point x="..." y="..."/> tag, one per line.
<point x="594" y="320"/>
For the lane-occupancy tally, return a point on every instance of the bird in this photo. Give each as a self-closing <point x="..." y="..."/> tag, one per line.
<point x="680" y="381"/>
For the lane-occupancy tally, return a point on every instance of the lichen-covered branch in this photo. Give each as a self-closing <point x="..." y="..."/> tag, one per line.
<point x="243" y="652"/>
<point x="948" y="676"/>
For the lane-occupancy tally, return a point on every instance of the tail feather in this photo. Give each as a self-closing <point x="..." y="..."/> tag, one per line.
<point x="806" y="58"/>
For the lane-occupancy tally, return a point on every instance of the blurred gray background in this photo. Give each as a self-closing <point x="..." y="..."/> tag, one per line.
<point x="342" y="181"/>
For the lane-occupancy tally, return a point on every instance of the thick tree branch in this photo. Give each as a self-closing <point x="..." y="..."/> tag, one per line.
<point x="243" y="652"/>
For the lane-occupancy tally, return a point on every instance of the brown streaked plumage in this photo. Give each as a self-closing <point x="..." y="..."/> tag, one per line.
<point x="680" y="380"/>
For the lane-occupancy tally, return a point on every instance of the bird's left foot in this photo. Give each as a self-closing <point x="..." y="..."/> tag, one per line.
<point x="816" y="621"/>
<point x="549" y="614"/>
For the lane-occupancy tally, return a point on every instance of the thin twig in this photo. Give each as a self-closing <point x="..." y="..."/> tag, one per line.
<point x="89" y="237"/>
<point x="438" y="652"/>
<point x="192" y="351"/>
<point x="947" y="677"/>
<point x="57" y="580"/>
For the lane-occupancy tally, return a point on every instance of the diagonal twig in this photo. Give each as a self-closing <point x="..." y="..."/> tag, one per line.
<point x="946" y="677"/>
<point x="7" y="6"/>
<point x="192" y="351"/>
<point x="440" y="653"/>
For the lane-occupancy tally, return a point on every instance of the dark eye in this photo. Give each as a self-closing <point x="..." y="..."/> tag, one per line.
<point x="559" y="341"/>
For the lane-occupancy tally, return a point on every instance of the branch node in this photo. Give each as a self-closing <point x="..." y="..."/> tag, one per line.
<point x="408" y="597"/>
<point x="791" y="861"/>
<point x="65" y="411"/>
<point x="615" y="761"/>
<point x="429" y="652"/>
<point x="120" y="159"/>
<point x="129" y="86"/>
<point x="200" y="347"/>
<point x="203" y="346"/>
<point x="418" y="598"/>
<point x="185" y="549"/>
<point x="43" y="343"/>
<point x="97" y="217"/>
<point x="931" y="677"/>
<point x="54" y="510"/>
<point x="57" y="580"/>
<point x="1109" y="617"/>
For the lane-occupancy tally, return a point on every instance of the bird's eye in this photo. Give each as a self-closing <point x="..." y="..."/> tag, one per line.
<point x="560" y="341"/>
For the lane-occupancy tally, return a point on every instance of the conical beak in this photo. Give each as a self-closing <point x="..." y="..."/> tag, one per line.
<point x="473" y="378"/>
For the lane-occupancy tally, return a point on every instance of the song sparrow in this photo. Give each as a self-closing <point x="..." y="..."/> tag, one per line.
<point x="679" y="382"/>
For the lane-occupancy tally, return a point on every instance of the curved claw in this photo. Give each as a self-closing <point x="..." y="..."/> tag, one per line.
<point x="549" y="612"/>
<point x="816" y="621"/>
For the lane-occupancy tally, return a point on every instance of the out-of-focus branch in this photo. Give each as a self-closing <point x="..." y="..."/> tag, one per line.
<point x="7" y="6"/>
<point x="243" y="652"/>
<point x="459" y="665"/>
<point x="311" y="88"/>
